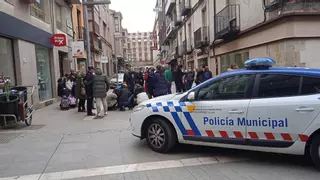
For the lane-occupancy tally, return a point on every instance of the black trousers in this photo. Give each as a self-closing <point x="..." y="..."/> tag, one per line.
<point x="81" y="104"/>
<point x="89" y="105"/>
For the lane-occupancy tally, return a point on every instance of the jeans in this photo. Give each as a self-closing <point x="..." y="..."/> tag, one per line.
<point x="81" y="105"/>
<point x="180" y="88"/>
<point x="101" y="103"/>
<point x="89" y="105"/>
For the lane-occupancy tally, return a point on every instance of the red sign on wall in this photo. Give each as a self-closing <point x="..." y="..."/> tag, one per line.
<point x="58" y="40"/>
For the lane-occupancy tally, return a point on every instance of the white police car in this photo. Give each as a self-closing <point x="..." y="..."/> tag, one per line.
<point x="258" y="108"/>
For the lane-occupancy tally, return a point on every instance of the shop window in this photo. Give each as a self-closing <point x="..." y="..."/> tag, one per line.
<point x="233" y="58"/>
<point x="37" y="9"/>
<point x="43" y="73"/>
<point x="6" y="59"/>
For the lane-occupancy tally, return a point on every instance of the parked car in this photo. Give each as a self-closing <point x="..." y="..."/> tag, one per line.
<point x="113" y="80"/>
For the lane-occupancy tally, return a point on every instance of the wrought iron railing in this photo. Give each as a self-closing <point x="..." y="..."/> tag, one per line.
<point x="227" y="20"/>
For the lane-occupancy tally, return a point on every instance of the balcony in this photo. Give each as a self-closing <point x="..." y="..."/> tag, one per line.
<point x="185" y="7"/>
<point x="162" y="35"/>
<point x="177" y="20"/>
<point x="227" y="22"/>
<point x="290" y="6"/>
<point x="169" y="6"/>
<point x="171" y="30"/>
<point x="201" y="37"/>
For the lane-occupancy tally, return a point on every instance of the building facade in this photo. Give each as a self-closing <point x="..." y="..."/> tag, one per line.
<point x="26" y="53"/>
<point x="214" y="33"/>
<point x="79" y="34"/>
<point x="141" y="44"/>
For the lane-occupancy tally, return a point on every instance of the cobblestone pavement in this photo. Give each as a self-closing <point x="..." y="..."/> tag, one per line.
<point x="69" y="145"/>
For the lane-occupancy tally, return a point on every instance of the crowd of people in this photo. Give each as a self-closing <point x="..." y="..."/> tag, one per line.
<point x="78" y="89"/>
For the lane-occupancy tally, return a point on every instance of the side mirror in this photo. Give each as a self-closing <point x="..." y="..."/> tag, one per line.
<point x="191" y="96"/>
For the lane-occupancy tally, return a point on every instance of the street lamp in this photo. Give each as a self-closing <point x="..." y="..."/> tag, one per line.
<point x="86" y="4"/>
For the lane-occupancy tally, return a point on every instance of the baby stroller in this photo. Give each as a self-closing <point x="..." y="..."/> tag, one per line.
<point x="65" y="100"/>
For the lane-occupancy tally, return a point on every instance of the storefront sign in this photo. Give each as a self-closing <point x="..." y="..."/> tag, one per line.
<point x="78" y="49"/>
<point x="58" y="40"/>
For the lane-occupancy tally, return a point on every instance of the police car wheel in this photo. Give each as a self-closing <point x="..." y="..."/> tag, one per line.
<point x="315" y="150"/>
<point x="160" y="136"/>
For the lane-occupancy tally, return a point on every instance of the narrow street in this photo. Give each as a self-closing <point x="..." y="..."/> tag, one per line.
<point x="69" y="145"/>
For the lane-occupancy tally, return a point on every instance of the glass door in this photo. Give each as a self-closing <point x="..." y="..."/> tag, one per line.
<point x="43" y="73"/>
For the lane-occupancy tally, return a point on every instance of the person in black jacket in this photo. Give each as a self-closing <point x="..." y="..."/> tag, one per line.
<point x="129" y="80"/>
<point x="138" y="78"/>
<point x="199" y="76"/>
<point x="88" y="81"/>
<point x="178" y="79"/>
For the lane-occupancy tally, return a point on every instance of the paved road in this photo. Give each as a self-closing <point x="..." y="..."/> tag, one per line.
<point x="68" y="145"/>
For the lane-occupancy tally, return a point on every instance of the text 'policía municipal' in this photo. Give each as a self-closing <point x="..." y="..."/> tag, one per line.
<point x="241" y="121"/>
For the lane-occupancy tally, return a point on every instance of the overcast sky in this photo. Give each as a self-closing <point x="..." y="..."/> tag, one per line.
<point x="137" y="15"/>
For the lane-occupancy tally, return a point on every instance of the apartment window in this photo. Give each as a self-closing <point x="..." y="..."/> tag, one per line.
<point x="58" y="16"/>
<point x="116" y="22"/>
<point x="151" y="43"/>
<point x="145" y="34"/>
<point x="134" y="49"/>
<point x="123" y="34"/>
<point x="204" y="17"/>
<point x="140" y="54"/>
<point x="146" y="55"/>
<point x="145" y="44"/>
<point x="37" y="9"/>
<point x="139" y="43"/>
<point x="133" y="44"/>
<point x="105" y="30"/>
<point x="140" y="59"/>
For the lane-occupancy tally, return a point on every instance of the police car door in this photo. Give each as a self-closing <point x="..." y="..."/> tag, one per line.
<point x="217" y="106"/>
<point x="281" y="109"/>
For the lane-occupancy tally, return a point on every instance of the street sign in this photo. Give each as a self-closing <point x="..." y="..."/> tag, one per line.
<point x="58" y="40"/>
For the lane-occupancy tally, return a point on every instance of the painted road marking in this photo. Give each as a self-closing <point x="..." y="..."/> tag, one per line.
<point x="126" y="168"/>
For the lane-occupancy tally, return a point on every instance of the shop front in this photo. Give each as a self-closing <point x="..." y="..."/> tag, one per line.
<point x="238" y="57"/>
<point x="7" y="65"/>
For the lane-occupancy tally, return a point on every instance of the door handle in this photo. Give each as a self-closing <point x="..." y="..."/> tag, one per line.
<point x="304" y="109"/>
<point x="236" y="111"/>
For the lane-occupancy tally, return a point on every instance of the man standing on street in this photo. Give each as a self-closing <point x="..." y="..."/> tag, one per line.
<point x="101" y="86"/>
<point x="88" y="81"/>
<point x="168" y="77"/>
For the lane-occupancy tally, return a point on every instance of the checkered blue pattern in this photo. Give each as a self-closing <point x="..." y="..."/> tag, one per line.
<point x="168" y="106"/>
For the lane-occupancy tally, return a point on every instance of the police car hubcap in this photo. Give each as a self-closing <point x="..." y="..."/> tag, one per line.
<point x="156" y="135"/>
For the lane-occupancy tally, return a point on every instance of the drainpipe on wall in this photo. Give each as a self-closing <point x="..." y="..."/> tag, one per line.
<point x="214" y="39"/>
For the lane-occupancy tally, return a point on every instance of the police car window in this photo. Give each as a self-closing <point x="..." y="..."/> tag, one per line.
<point x="228" y="88"/>
<point x="310" y="85"/>
<point x="277" y="85"/>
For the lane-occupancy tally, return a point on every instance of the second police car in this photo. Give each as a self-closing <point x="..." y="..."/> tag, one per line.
<point x="258" y="108"/>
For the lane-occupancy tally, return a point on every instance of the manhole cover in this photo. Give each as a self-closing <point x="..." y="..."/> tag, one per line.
<point x="7" y="137"/>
